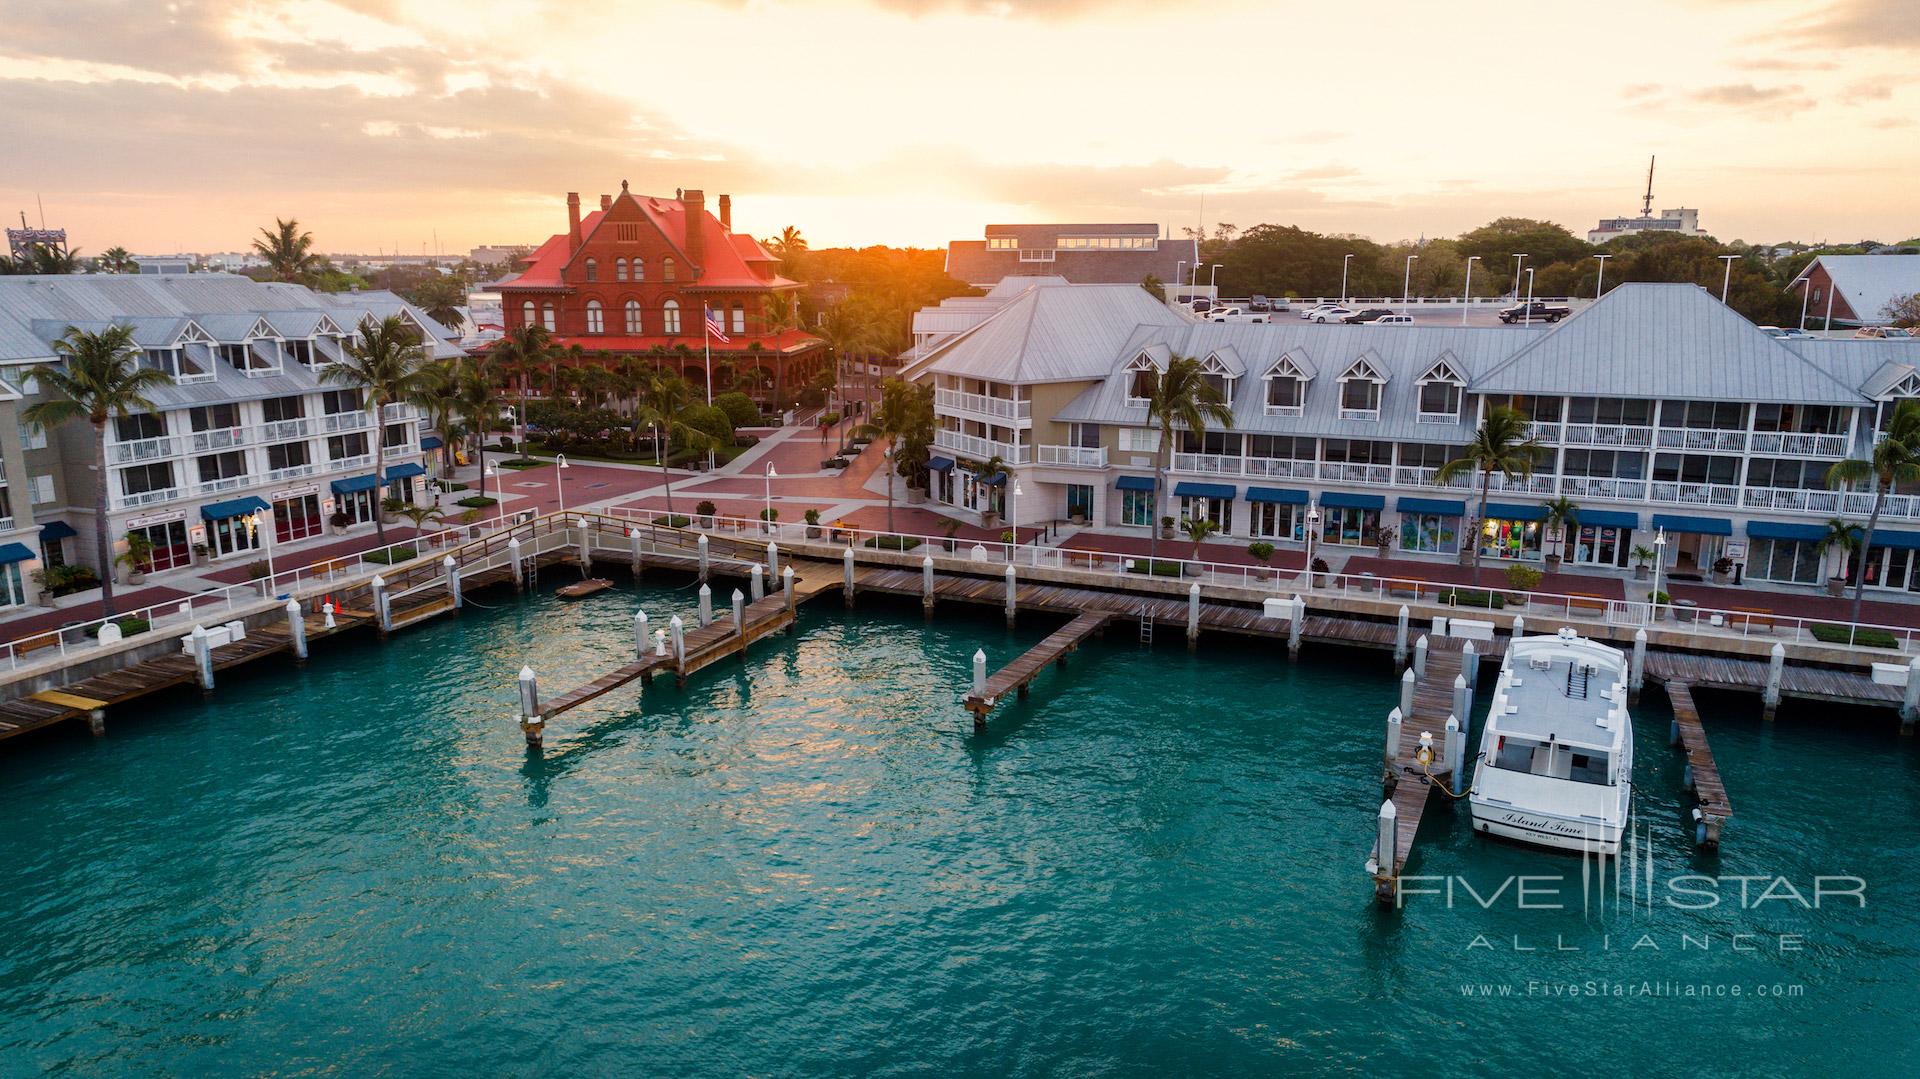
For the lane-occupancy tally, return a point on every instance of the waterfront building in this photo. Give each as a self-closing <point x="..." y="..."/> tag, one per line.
<point x="1659" y="407"/>
<point x="633" y="278"/>
<point x="1677" y="222"/>
<point x="1855" y="290"/>
<point x="1083" y="254"/>
<point x="247" y="425"/>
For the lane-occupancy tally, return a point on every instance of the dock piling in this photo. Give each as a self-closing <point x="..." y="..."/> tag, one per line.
<point x="1462" y="695"/>
<point x="1519" y="626"/>
<point x="1420" y="656"/>
<point x="97" y="722"/>
<point x="1637" y="669"/>
<point x="1013" y="591"/>
<point x="701" y="543"/>
<point x="1296" y="624"/>
<point x="659" y="642"/>
<point x="979" y="672"/>
<point x="786" y="586"/>
<point x="706" y="605"/>
<point x="532" y="723"/>
<point x="1408" y="681"/>
<point x="640" y="635"/>
<point x="678" y="630"/>
<point x="1193" y="615"/>
<point x="1776" y="671"/>
<point x="1910" y="704"/>
<point x="757" y="582"/>
<point x="328" y="610"/>
<point x="1400" y="636"/>
<point x="1456" y="748"/>
<point x="513" y="559"/>
<point x="926" y="584"/>
<point x="773" y="558"/>
<point x="1470" y="664"/>
<point x="452" y="570"/>
<point x="382" y="612"/>
<point x="1396" y="721"/>
<point x="739" y="610"/>
<point x="846" y="576"/>
<point x="1386" y="840"/>
<point x="203" y="658"/>
<point x="297" y="629"/>
<point x="633" y="551"/>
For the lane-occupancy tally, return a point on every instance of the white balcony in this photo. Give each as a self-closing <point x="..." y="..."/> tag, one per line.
<point x="282" y="430"/>
<point x="1606" y="434"/>
<point x="145" y="498"/>
<point x="1603" y="487"/>
<point x="1700" y="438"/>
<point x="146" y="449"/>
<point x="6" y="524"/>
<point x="224" y="438"/>
<point x="291" y="472"/>
<point x="1075" y="456"/>
<point x="345" y="421"/>
<point x="1547" y="434"/>
<point x="1410" y="476"/>
<point x="999" y="408"/>
<point x="1693" y="494"/>
<point x="1360" y="414"/>
<point x="982" y="448"/>
<point x="344" y="464"/>
<point x="1342" y="472"/>
<point x="1449" y="418"/>
<point x="1804" y="445"/>
<point x="1283" y="410"/>
<point x="396" y="412"/>
<point x="401" y="450"/>
<point x="223" y="485"/>
<point x="186" y="379"/>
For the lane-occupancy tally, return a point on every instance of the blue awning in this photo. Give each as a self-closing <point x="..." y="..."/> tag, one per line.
<point x="1355" y="502"/>
<point x="1285" y="496"/>
<point x="1607" y="519"/>
<point x="998" y="479"/>
<point x="233" y="507"/>
<point x="1514" y="511"/>
<point x="939" y="464"/>
<point x="56" y="530"/>
<point x="354" y="484"/>
<point x="1776" y="530"/>
<point x="1705" y="526"/>
<point x="1190" y="489"/>
<point x="401" y="472"/>
<point x="1445" y="507"/>
<point x="431" y="442"/>
<point x="14" y="552"/>
<point x="1134" y="483"/>
<point x="1900" y="541"/>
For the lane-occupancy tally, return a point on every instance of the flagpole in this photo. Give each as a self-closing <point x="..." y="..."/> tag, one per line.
<point x="706" y="341"/>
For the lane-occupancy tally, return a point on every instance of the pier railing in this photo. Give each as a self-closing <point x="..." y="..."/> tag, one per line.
<point x="1868" y="639"/>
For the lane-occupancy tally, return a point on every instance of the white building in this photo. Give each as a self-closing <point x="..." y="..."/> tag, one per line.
<point x="1681" y="222"/>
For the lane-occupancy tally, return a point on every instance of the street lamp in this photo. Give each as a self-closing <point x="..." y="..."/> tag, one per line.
<point x="255" y="523"/>
<point x="1313" y="527"/>
<point x="1406" y="282"/>
<point x="493" y="473"/>
<point x="1013" y="515"/>
<point x="1600" y="286"/>
<point x="1529" y="308"/>
<point x="1213" y="275"/>
<point x="772" y="475"/>
<point x="1343" y="279"/>
<point x="1466" y="294"/>
<point x="1659" y="564"/>
<point x="1726" y="278"/>
<point x="1517" y="261"/>
<point x="1176" y="275"/>
<point x="560" y="466"/>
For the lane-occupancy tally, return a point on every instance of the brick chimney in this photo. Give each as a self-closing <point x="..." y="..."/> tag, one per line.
<point x="606" y="202"/>
<point x="726" y="212"/>
<point x="695" y="202"/>
<point x="573" y="221"/>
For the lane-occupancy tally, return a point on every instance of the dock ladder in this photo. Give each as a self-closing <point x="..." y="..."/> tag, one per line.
<point x="1146" y="624"/>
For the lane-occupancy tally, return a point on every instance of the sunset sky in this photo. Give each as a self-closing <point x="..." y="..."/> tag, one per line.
<point x="378" y="123"/>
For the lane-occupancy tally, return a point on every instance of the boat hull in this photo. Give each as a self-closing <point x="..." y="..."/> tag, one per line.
<point x="1546" y="830"/>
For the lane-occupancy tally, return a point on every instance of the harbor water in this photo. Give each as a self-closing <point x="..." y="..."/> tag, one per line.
<point x="805" y="862"/>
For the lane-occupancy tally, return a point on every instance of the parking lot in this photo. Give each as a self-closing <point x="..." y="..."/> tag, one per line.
<point x="1424" y="314"/>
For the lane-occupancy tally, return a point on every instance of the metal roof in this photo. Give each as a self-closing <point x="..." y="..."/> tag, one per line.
<point x="1868" y="282"/>
<point x="1053" y="333"/>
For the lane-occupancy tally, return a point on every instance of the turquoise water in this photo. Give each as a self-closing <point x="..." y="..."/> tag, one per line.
<point x="806" y="863"/>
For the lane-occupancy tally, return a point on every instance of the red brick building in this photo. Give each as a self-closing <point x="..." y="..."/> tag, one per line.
<point x="634" y="277"/>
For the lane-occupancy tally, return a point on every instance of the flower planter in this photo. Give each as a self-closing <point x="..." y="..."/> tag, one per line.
<point x="1719" y="578"/>
<point x="1466" y="557"/>
<point x="1639" y="573"/>
<point x="1189" y="569"/>
<point x="1836" y="587"/>
<point x="1383" y="552"/>
<point x="706" y="520"/>
<point x="813" y="532"/>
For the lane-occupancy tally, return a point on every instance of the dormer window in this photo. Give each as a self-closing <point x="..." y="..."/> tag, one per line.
<point x="1441" y="390"/>
<point x="1360" y="390"/>
<point x="1219" y="376"/>
<point x="1142" y="376"/>
<point x="1287" y="384"/>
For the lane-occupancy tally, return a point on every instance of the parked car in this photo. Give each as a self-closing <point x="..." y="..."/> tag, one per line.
<point x="1310" y="312"/>
<point x="1366" y="314"/>
<point x="1281" y="304"/>
<point x="1259" y="303"/>
<point x="1534" y="312"/>
<point x="1201" y="307"/>
<point x="1785" y="333"/>
<point x="1329" y="314"/>
<point x="1224" y="313"/>
<point x="1882" y="332"/>
<point x="1390" y="320"/>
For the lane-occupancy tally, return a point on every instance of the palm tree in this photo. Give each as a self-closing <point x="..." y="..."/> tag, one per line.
<point x="477" y="402"/>
<point x="118" y="260"/>
<point x="905" y="420"/>
<point x="662" y="407"/>
<point x="99" y="378"/>
<point x="850" y="330"/>
<point x="1500" y="445"/>
<point x="520" y="355"/>
<point x="288" y="251"/>
<point x="781" y="314"/>
<point x="1895" y="460"/>
<point x="789" y="247"/>
<point x="1180" y="397"/>
<point x="1844" y="535"/>
<point x="438" y="395"/>
<point x="385" y="363"/>
<point x="1561" y="514"/>
<point x="41" y="259"/>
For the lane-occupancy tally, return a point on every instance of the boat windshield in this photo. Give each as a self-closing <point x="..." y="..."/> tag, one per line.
<point x="1555" y="761"/>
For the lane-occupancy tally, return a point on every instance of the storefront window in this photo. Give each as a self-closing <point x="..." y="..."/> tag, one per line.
<point x="1274" y="520"/>
<point x="230" y="535"/>
<point x="1079" y="501"/>
<point x="1429" y="533"/>
<point x="1511" y="539"/>
<point x="169" y="544"/>
<point x="1217" y="510"/>
<point x="1136" y="507"/>
<point x="1786" y="561"/>
<point x="13" y="591"/>
<point x="297" y="518"/>
<point x="1350" y="527"/>
<point x="358" y="506"/>
<point x="1594" y="546"/>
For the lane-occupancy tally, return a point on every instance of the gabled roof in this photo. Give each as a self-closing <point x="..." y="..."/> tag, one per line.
<point x="728" y="256"/>
<point x="1062" y="333"/>
<point x="1368" y="365"/>
<point x="1868" y="282"/>
<point x="1891" y="380"/>
<point x="1296" y="361"/>
<point x="1671" y="341"/>
<point x="1229" y="359"/>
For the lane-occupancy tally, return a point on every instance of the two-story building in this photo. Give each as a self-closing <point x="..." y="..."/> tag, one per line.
<point x="636" y="278"/>
<point x="1659" y="410"/>
<point x="248" y="423"/>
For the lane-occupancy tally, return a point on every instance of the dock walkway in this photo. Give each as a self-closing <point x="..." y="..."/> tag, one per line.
<point x="1702" y="774"/>
<point x="1018" y="675"/>
<point x="1407" y="780"/>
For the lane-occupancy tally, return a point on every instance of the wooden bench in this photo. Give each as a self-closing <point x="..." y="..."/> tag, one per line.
<point x="1413" y="590"/>
<point x="1586" y="601"/>
<point x="47" y="639"/>
<point x="1753" y="617"/>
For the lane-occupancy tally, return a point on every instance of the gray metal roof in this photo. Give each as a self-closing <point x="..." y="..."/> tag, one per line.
<point x="1869" y="282"/>
<point x="1669" y="341"/>
<point x="1053" y="333"/>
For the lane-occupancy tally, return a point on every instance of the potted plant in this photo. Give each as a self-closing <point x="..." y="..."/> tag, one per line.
<point x="1845" y="537"/>
<point x="1562" y="514"/>
<point x="1320" y="571"/>
<point x="705" y="511"/>
<point x="1722" y="567"/>
<point x="1383" y="541"/>
<point x="767" y="517"/>
<point x="137" y="557"/>
<point x="338" y="522"/>
<point x="1522" y="579"/>
<point x="39" y="578"/>
<point x="1641" y="556"/>
<point x="1166" y="528"/>
<point x="1262" y="552"/>
<point x="1197" y="530"/>
<point x="949" y="526"/>
<point x="813" y="524"/>
<point x="1660" y="601"/>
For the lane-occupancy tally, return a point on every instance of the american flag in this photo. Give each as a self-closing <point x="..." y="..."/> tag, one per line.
<point x="715" y="327"/>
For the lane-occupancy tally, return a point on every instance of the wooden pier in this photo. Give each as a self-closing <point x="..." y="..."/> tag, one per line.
<point x="1750" y="676"/>
<point x="1702" y="775"/>
<point x="1409" y="781"/>
<point x="1019" y="675"/>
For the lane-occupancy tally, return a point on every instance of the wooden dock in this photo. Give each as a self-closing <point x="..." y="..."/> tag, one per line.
<point x="1750" y="676"/>
<point x="1702" y="776"/>
<point x="1409" y="782"/>
<point x="1019" y="675"/>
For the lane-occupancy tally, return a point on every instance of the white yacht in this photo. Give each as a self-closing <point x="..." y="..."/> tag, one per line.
<point x="1556" y="754"/>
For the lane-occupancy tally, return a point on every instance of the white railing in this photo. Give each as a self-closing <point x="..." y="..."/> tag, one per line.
<point x="346" y="463"/>
<point x="1412" y="476"/>
<point x="229" y="483"/>
<point x="222" y="439"/>
<point x="390" y="452"/>
<point x="1693" y="494"/>
<point x="983" y="404"/>
<point x="1700" y="438"/>
<point x="975" y="446"/>
<point x="396" y="412"/>
<point x="1604" y="487"/>
<point x="345" y="421"/>
<point x="1606" y="434"/>
<point x="1381" y="475"/>
<point x="1805" y="445"/>
<point x="145" y="449"/>
<point x="1359" y="413"/>
<point x="1449" y="418"/>
<point x="1547" y="434"/>
<point x="1077" y="456"/>
<point x="145" y="498"/>
<point x="1284" y="410"/>
<point x="291" y="472"/>
<point x="193" y="378"/>
<point x="6" y="523"/>
<point x="281" y="430"/>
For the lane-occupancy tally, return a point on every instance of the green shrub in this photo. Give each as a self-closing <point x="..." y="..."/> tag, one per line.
<point x="740" y="409"/>
<point x="1159" y="568"/>
<point x="518" y="465"/>
<point x="893" y="543"/>
<point x="452" y="485"/>
<point x="1866" y="638"/>
<point x="1454" y="597"/>
<point x="128" y="627"/>
<point x="1261" y="552"/>
<point x="1659" y="597"/>
<point x="678" y="520"/>
<point x="257" y="570"/>
<point x="478" y="501"/>
<point x="1523" y="578"/>
<point x="705" y="508"/>
<point x="64" y="580"/>
<point x="828" y="419"/>
<point x="709" y="421"/>
<point x="387" y="556"/>
<point x="769" y="514"/>
<point x="813" y="517"/>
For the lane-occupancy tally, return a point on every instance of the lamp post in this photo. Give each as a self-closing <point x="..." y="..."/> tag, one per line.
<point x="1406" y="282"/>
<point x="1600" y="286"/>
<point x="1313" y="527"/>
<point x="1806" y="293"/>
<point x="1013" y="515"/>
<point x="772" y="475"/>
<point x="1529" y="307"/>
<point x="1518" y="260"/>
<point x="1343" y="279"/>
<point x="1466" y="294"/>
<point x="1726" y="277"/>
<point x="493" y="473"/>
<point x="255" y="523"/>
<point x="1659" y="564"/>
<point x="560" y="467"/>
<point x="1177" y="267"/>
<point x="1213" y="275"/>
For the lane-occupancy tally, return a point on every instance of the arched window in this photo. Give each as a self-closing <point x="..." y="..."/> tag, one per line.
<point x="596" y="320"/>
<point x="666" y="269"/>
<point x="619" y="269"/>
<point x="546" y="318"/>
<point x="526" y="313"/>
<point x="593" y="270"/>
<point x="639" y="269"/>
<point x="633" y="316"/>
<point x="670" y="315"/>
<point x="739" y="319"/>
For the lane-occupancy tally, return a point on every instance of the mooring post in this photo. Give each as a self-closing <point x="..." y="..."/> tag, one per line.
<point x="381" y="611"/>
<point x="1456" y="747"/>
<point x="1462" y="695"/>
<point x="1519" y="626"/>
<point x="203" y="658"/>
<point x="1470" y="664"/>
<point x="678" y="631"/>
<point x="328" y="610"/>
<point x="1910" y="705"/>
<point x="1013" y="594"/>
<point x="1396" y="719"/>
<point x="297" y="629"/>
<point x="1296" y="625"/>
<point x="532" y="723"/>
<point x="757" y="582"/>
<point x="1776" y="670"/>
<point x="979" y="672"/>
<point x="773" y="558"/>
<point x="452" y="569"/>
<point x="846" y="576"/>
<point x="1637" y="667"/>
<point x="926" y="584"/>
<point x="513" y="559"/>
<point x="633" y="551"/>
<point x="1400" y="636"/>
<point x="739" y="611"/>
<point x="586" y="546"/>
<point x="640" y="635"/>
<point x="1407" y="683"/>
<point x="1386" y="844"/>
<point x="1193" y="615"/>
<point x="659" y="642"/>
<point x="786" y="586"/>
<point x="1420" y="656"/>
<point x="706" y="605"/>
<point x="701" y="543"/>
<point x="97" y="722"/>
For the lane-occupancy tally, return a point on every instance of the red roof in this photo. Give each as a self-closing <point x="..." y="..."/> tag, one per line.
<point x="727" y="254"/>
